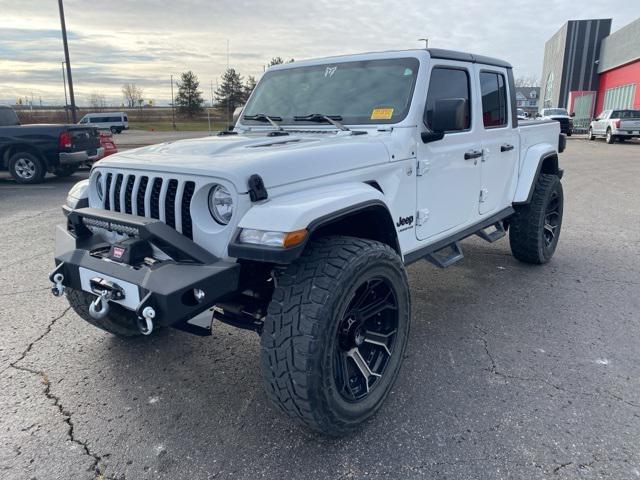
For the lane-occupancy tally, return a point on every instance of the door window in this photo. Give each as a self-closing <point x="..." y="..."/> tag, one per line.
<point x="448" y="84"/>
<point x="494" y="99"/>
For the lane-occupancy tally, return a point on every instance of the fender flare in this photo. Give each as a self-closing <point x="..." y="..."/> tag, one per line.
<point x="310" y="209"/>
<point x="530" y="171"/>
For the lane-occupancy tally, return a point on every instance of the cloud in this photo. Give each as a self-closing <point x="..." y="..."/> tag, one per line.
<point x="145" y="41"/>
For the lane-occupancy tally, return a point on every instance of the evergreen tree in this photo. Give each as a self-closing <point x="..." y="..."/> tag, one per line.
<point x="249" y="85"/>
<point x="231" y="92"/>
<point x="189" y="99"/>
<point x="275" y="61"/>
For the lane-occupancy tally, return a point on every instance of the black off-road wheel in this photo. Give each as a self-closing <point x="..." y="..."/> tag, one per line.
<point x="119" y="321"/>
<point x="534" y="230"/>
<point x="335" y="333"/>
<point x="27" y="168"/>
<point x="65" y="170"/>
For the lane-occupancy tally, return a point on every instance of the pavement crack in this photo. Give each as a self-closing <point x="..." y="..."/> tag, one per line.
<point x="621" y="399"/>
<point x="560" y="467"/>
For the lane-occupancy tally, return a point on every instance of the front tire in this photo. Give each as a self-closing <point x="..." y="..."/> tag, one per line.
<point x="26" y="168"/>
<point x="119" y="321"/>
<point x="335" y="333"/>
<point x="113" y="130"/>
<point x="591" y="135"/>
<point x="534" y="230"/>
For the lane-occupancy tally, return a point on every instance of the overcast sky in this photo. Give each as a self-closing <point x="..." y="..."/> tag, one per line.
<point x="144" y="41"/>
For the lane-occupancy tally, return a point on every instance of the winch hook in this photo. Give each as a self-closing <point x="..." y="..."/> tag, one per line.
<point x="99" y="308"/>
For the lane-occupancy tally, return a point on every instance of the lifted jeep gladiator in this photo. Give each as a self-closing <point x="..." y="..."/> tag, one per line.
<point x="299" y="223"/>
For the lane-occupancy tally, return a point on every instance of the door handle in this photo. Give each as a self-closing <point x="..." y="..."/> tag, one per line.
<point x="471" y="154"/>
<point x="506" y="148"/>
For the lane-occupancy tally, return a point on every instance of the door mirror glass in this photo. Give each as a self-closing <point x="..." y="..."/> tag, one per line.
<point x="573" y="114"/>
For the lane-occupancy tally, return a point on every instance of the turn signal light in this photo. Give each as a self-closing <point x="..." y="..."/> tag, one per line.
<point x="291" y="239"/>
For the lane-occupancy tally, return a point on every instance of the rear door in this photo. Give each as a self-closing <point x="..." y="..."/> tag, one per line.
<point x="448" y="177"/>
<point x="600" y="123"/>
<point x="500" y="141"/>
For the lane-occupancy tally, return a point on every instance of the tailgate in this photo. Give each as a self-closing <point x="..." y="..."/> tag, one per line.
<point x="632" y="124"/>
<point x="84" y="138"/>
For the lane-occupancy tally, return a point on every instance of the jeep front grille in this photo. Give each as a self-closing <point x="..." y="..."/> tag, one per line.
<point x="166" y="199"/>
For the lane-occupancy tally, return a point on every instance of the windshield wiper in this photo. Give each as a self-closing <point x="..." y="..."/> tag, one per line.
<point x="261" y="117"/>
<point x="320" y="118"/>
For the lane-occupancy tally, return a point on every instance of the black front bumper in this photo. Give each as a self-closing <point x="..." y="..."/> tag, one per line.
<point x="167" y="286"/>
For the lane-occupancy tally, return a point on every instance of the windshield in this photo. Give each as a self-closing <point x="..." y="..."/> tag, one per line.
<point x="555" y="111"/>
<point x="365" y="92"/>
<point x="625" y="114"/>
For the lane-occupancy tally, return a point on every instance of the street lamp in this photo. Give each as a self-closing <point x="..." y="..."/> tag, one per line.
<point x="173" y="106"/>
<point x="66" y="57"/>
<point x="426" y="42"/>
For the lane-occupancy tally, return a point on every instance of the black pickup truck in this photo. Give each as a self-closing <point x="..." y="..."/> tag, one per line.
<point x="28" y="152"/>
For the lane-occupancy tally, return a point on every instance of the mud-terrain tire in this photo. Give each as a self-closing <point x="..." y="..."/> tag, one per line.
<point x="26" y="168"/>
<point x="320" y="327"/>
<point x="64" y="171"/>
<point x="534" y="229"/>
<point x="119" y="321"/>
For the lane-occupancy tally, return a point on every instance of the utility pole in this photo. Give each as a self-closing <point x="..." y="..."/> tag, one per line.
<point x="66" y="103"/>
<point x="426" y="42"/>
<point x="66" y="57"/>
<point x="173" y="107"/>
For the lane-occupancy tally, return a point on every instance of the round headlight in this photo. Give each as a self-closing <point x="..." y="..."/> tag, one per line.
<point x="99" y="187"/>
<point x="220" y="204"/>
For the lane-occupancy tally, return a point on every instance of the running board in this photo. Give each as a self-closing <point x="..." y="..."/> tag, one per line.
<point x="494" y="235"/>
<point x="446" y="259"/>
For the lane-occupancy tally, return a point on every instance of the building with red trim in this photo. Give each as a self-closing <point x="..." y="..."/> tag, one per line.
<point x="587" y="70"/>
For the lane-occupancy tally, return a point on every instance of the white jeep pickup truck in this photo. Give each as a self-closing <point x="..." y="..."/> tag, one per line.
<point x="299" y="224"/>
<point x="615" y="125"/>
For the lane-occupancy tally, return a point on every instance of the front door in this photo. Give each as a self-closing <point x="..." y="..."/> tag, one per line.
<point x="500" y="144"/>
<point x="448" y="181"/>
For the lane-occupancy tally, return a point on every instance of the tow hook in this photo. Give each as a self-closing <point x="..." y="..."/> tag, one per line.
<point x="99" y="308"/>
<point x="58" y="287"/>
<point x="145" y="324"/>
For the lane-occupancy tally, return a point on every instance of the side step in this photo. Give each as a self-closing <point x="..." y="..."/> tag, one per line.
<point x="493" y="235"/>
<point x="446" y="256"/>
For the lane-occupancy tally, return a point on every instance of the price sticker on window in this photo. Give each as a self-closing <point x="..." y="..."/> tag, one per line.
<point x="381" y="114"/>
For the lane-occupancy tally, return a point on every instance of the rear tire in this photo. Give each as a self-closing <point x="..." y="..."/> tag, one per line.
<point x="610" y="138"/>
<point x="335" y="333"/>
<point x="119" y="322"/>
<point x="534" y="230"/>
<point x="26" y="168"/>
<point x="591" y="135"/>
<point x="113" y="130"/>
<point x="65" y="170"/>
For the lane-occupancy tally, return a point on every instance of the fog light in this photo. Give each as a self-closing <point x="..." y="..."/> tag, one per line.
<point x="198" y="294"/>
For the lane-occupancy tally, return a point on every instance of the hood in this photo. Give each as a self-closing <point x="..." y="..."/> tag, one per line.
<point x="278" y="160"/>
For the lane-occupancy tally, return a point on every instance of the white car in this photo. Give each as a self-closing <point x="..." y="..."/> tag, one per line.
<point x="115" y="122"/>
<point x="300" y="223"/>
<point x="621" y="124"/>
<point x="522" y="115"/>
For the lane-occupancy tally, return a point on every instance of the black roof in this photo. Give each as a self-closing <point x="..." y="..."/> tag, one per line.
<point x="466" y="57"/>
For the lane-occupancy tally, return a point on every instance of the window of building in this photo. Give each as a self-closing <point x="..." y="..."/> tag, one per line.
<point x="494" y="99"/>
<point x="448" y="84"/>
<point x="619" y="97"/>
<point x="548" y="91"/>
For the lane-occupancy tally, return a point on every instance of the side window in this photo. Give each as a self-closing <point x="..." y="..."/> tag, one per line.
<point x="494" y="99"/>
<point x="448" y="84"/>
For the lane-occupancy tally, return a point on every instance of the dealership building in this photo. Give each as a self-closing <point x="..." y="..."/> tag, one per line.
<point x="588" y="69"/>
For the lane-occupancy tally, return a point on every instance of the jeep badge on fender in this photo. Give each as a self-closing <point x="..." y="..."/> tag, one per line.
<point x="299" y="223"/>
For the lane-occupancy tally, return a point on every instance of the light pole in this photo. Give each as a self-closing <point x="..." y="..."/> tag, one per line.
<point x="426" y="42"/>
<point x="66" y="103"/>
<point x="173" y="107"/>
<point x="66" y="57"/>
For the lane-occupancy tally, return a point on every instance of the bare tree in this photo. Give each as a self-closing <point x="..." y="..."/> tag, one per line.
<point x="527" y="81"/>
<point x="132" y="94"/>
<point x="97" y="101"/>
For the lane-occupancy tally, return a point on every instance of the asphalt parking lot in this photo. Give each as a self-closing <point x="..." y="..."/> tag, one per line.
<point x="512" y="371"/>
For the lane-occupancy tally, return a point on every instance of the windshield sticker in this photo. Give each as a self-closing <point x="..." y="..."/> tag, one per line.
<point x="329" y="71"/>
<point x="382" y="114"/>
<point x="407" y="72"/>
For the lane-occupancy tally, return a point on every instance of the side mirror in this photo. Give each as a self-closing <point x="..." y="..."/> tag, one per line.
<point x="573" y="114"/>
<point x="448" y="115"/>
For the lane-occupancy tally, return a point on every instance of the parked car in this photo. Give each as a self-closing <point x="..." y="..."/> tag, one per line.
<point x="522" y="115"/>
<point x="560" y="115"/>
<point x="30" y="151"/>
<point x="299" y="223"/>
<point x="115" y="122"/>
<point x="107" y="142"/>
<point x="616" y="125"/>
